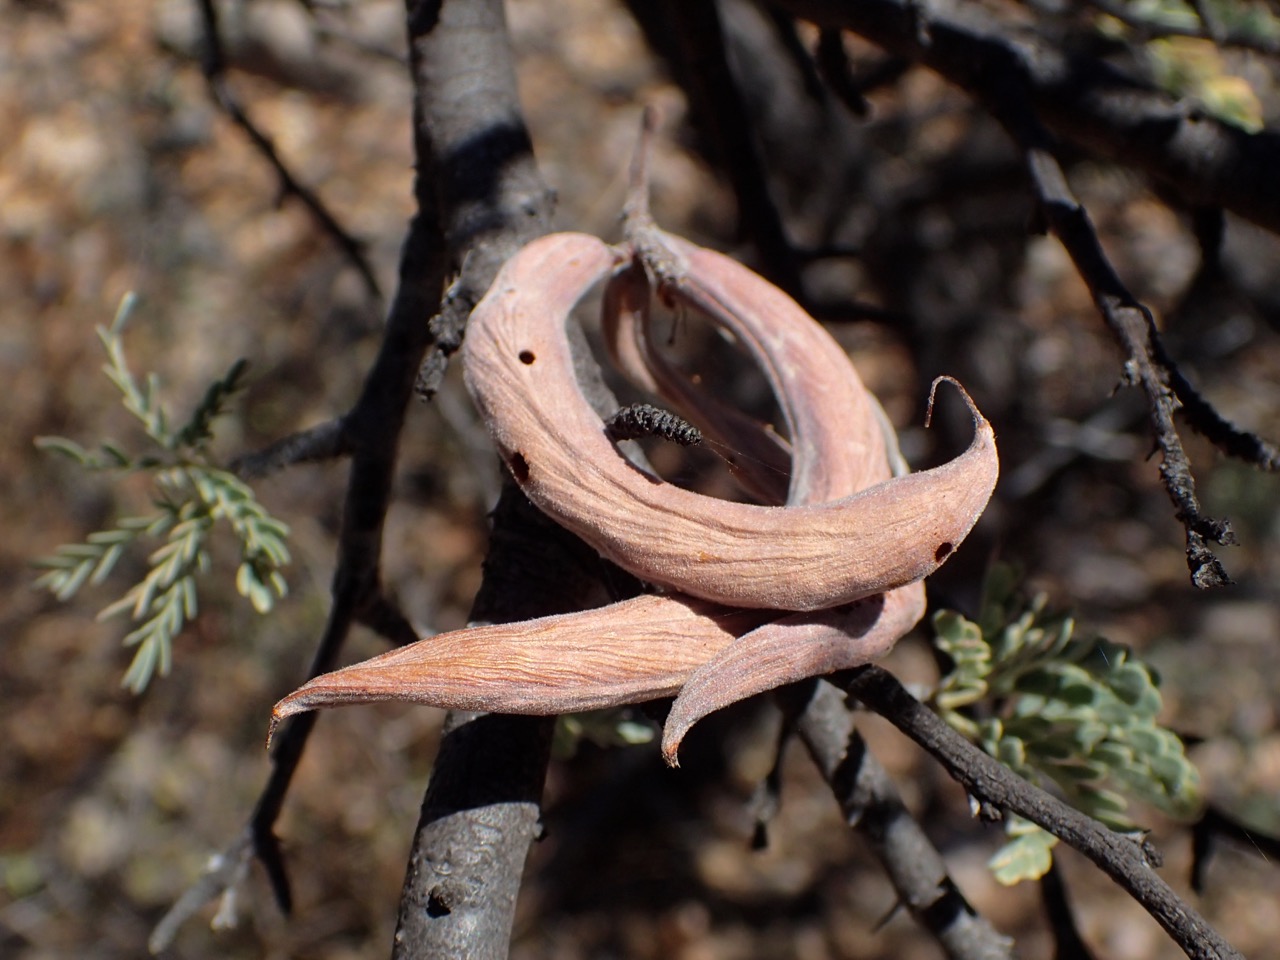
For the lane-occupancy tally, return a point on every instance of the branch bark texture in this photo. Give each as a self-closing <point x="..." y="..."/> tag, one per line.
<point x="873" y="808"/>
<point x="481" y="810"/>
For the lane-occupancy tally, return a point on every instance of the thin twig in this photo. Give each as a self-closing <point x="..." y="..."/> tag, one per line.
<point x="1243" y="445"/>
<point x="718" y="107"/>
<point x="1147" y="364"/>
<point x="370" y="433"/>
<point x="214" y="65"/>
<point x="784" y="28"/>
<point x="873" y="808"/>
<point x="327" y="441"/>
<point x="1127" y="861"/>
<point x="833" y="65"/>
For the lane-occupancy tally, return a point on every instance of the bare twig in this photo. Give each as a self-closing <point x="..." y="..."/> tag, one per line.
<point x="1127" y="861"/>
<point x="370" y="434"/>
<point x="1243" y="445"/>
<point x="1011" y="82"/>
<point x="214" y="65"/>
<point x="699" y="44"/>
<point x="1146" y="364"/>
<point x="328" y="441"/>
<point x="784" y="28"/>
<point x="833" y="65"/>
<point x="872" y="806"/>
<point x="356" y="590"/>
<point x="1027" y="83"/>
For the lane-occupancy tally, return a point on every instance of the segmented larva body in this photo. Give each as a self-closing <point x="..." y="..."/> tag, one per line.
<point x="639" y="420"/>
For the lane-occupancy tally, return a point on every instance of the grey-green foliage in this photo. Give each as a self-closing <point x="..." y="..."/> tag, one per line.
<point x="1078" y="713"/>
<point x="613" y="727"/>
<point x="191" y="494"/>
<point x="1192" y="67"/>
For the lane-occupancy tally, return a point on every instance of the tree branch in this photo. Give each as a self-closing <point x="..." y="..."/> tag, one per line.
<point x="1025" y="84"/>
<point x="370" y="433"/>
<point x="214" y="65"/>
<point x="1127" y="861"/>
<point x="481" y="810"/>
<point x="1068" y="943"/>
<point x="1083" y="100"/>
<point x="1216" y="825"/>
<point x="872" y="806"/>
<point x="1243" y="445"/>
<point x="328" y="441"/>
<point x="691" y="33"/>
<point x="1147" y="365"/>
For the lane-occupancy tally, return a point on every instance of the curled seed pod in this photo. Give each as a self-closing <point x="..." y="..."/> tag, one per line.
<point x="828" y="581"/>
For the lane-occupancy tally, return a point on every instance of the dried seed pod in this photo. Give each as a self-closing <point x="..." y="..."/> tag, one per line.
<point x="822" y="554"/>
<point x="850" y="547"/>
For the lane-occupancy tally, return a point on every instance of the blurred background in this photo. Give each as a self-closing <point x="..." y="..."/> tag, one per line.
<point x="118" y="173"/>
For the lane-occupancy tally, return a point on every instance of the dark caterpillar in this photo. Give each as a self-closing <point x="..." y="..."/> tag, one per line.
<point x="645" y="420"/>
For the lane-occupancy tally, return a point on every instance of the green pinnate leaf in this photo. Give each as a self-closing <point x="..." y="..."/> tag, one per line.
<point x="1137" y="690"/>
<point x="1012" y="752"/>
<point x="962" y="641"/>
<point x="66" y="448"/>
<point x="1080" y="712"/>
<point x="198" y="430"/>
<point x="1028" y="856"/>
<point x="191" y="495"/>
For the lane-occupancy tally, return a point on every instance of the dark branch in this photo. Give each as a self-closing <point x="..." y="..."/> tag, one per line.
<point x="370" y="433"/>
<point x="1029" y="86"/>
<point x="873" y="808"/>
<point x="695" y="38"/>
<point x="467" y="116"/>
<point x="214" y="65"/>
<point x="1068" y="944"/>
<point x="1082" y="100"/>
<point x="1206" y="421"/>
<point x="833" y="65"/>
<point x="852" y="86"/>
<point x="1127" y="861"/>
<point x="793" y="47"/>
<point x="460" y="891"/>
<point x="1146" y="364"/>
<point x="1216" y="825"/>
<point x="328" y="441"/>
<point x="357" y="596"/>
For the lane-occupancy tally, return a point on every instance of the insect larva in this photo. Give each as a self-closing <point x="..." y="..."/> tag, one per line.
<point x="645" y="420"/>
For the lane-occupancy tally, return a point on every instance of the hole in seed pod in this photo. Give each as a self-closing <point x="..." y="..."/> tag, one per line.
<point x="519" y="467"/>
<point x="527" y="357"/>
<point x="943" y="551"/>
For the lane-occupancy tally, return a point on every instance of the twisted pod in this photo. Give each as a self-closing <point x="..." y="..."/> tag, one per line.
<point x="760" y="595"/>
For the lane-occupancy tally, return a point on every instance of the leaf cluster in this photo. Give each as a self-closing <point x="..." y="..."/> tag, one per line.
<point x="1183" y="57"/>
<point x="1079" y="714"/>
<point x="190" y="495"/>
